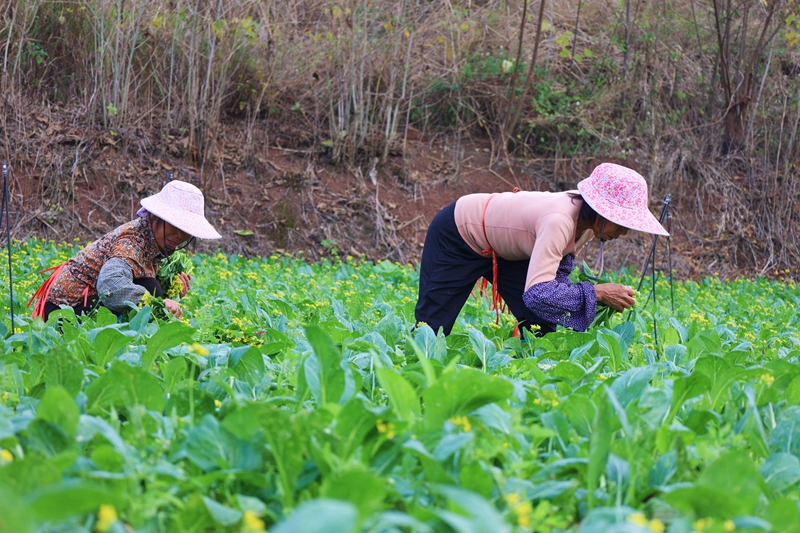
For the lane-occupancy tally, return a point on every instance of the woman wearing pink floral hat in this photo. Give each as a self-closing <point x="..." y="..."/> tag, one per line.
<point x="122" y="265"/>
<point x="525" y="244"/>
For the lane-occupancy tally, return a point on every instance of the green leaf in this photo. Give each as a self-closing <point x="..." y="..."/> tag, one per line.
<point x="244" y="232"/>
<point x="167" y="336"/>
<point x="684" y="389"/>
<point x="248" y="363"/>
<point x="611" y="346"/>
<point x="107" y="342"/>
<point x="222" y="515"/>
<point x="786" y="435"/>
<point x="124" y="385"/>
<point x="173" y="371"/>
<point x="727" y="488"/>
<point x="322" y="370"/>
<point x="484" y="348"/>
<point x="470" y="512"/>
<point x="69" y="498"/>
<point x="363" y="489"/>
<point x="781" y="471"/>
<point x="320" y="516"/>
<point x="62" y="369"/>
<point x="58" y="406"/>
<point x="629" y="386"/>
<point x="599" y="445"/>
<point x="212" y="447"/>
<point x="461" y="391"/>
<point x="402" y="397"/>
<point x="14" y="515"/>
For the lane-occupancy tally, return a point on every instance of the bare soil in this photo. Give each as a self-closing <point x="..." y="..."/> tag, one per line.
<point x="284" y="197"/>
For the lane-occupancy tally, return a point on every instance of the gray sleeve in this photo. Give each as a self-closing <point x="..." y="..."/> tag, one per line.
<point x="115" y="285"/>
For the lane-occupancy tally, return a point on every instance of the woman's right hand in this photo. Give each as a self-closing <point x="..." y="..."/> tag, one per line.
<point x="173" y="307"/>
<point x="619" y="297"/>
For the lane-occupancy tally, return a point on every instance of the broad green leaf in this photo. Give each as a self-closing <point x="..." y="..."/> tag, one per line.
<point x="248" y="363"/>
<point x="684" y="389"/>
<point x="58" y="406"/>
<point x="14" y="516"/>
<point x="173" y="371"/>
<point x="69" y="498"/>
<point x="786" y="435"/>
<point x="781" y="471"/>
<point x="124" y="385"/>
<point x="362" y="488"/>
<point x="610" y="345"/>
<point x="483" y="347"/>
<point x="402" y="397"/>
<point x="599" y="445"/>
<point x="167" y="336"/>
<point x="62" y="369"/>
<point x="460" y="392"/>
<point x="727" y="488"/>
<point x="323" y="371"/>
<point x="212" y="447"/>
<point x="629" y="386"/>
<point x="469" y="512"/>
<point x="320" y="516"/>
<point x="107" y="342"/>
<point x="222" y="515"/>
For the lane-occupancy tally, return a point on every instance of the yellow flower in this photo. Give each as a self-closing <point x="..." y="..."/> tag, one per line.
<point x="656" y="526"/>
<point x="768" y="379"/>
<point x="386" y="428"/>
<point x="106" y="517"/>
<point x="638" y="519"/>
<point x="175" y="288"/>
<point x="251" y="523"/>
<point x="217" y="403"/>
<point x="6" y="456"/>
<point x="462" y="422"/>
<point x="199" y="349"/>
<point x="728" y="526"/>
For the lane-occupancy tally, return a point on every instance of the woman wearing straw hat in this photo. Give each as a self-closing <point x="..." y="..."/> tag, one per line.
<point x="120" y="266"/>
<point x="525" y="243"/>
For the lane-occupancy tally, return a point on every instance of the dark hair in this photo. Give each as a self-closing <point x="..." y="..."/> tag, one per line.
<point x="587" y="213"/>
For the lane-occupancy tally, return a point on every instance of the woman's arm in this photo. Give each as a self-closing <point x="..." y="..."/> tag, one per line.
<point x="561" y="301"/>
<point x="115" y="285"/>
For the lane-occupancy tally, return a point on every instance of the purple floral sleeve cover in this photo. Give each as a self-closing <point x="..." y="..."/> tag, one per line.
<point x="572" y="305"/>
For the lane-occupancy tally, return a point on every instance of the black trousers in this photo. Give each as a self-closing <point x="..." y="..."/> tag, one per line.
<point x="151" y="284"/>
<point x="449" y="270"/>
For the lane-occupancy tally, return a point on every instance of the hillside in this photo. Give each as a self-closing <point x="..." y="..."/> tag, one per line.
<point x="342" y="127"/>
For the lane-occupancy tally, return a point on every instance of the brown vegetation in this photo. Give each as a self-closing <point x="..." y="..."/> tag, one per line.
<point x="323" y="124"/>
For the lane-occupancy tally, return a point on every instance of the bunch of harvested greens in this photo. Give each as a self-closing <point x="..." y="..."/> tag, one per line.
<point x="167" y="276"/>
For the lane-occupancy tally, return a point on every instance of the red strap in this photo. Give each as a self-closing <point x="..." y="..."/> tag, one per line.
<point x="497" y="301"/>
<point x="43" y="291"/>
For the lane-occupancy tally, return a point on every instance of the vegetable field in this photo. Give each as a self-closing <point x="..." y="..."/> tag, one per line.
<point x="295" y="397"/>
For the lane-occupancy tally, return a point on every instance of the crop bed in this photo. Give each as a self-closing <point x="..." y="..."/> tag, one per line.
<point x="296" y="397"/>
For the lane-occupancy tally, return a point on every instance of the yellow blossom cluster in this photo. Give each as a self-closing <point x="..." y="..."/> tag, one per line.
<point x="462" y="422"/>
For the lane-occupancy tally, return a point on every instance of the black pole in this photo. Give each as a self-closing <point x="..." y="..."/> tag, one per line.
<point x="652" y="255"/>
<point x="669" y="263"/>
<point x="5" y="207"/>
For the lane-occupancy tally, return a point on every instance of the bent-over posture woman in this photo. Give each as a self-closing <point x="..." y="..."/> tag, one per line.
<point x="525" y="243"/>
<point x="120" y="266"/>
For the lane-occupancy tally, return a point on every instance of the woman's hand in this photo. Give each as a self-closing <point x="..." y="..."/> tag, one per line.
<point x="173" y="307"/>
<point x="619" y="297"/>
<point x="186" y="282"/>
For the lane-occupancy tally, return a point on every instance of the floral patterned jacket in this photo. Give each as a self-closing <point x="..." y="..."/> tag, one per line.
<point x="133" y="242"/>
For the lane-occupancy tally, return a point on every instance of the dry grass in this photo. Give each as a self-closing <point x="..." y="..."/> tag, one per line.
<point x="632" y="81"/>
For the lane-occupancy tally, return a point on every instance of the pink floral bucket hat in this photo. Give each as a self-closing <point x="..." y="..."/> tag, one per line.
<point x="182" y="205"/>
<point x="619" y="194"/>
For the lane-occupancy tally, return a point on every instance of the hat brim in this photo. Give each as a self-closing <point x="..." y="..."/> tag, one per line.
<point x="193" y="224"/>
<point x="635" y="219"/>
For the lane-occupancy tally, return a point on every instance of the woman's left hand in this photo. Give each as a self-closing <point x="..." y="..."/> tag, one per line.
<point x="186" y="281"/>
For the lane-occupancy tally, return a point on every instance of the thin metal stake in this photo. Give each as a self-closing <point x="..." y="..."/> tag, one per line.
<point x="5" y="207"/>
